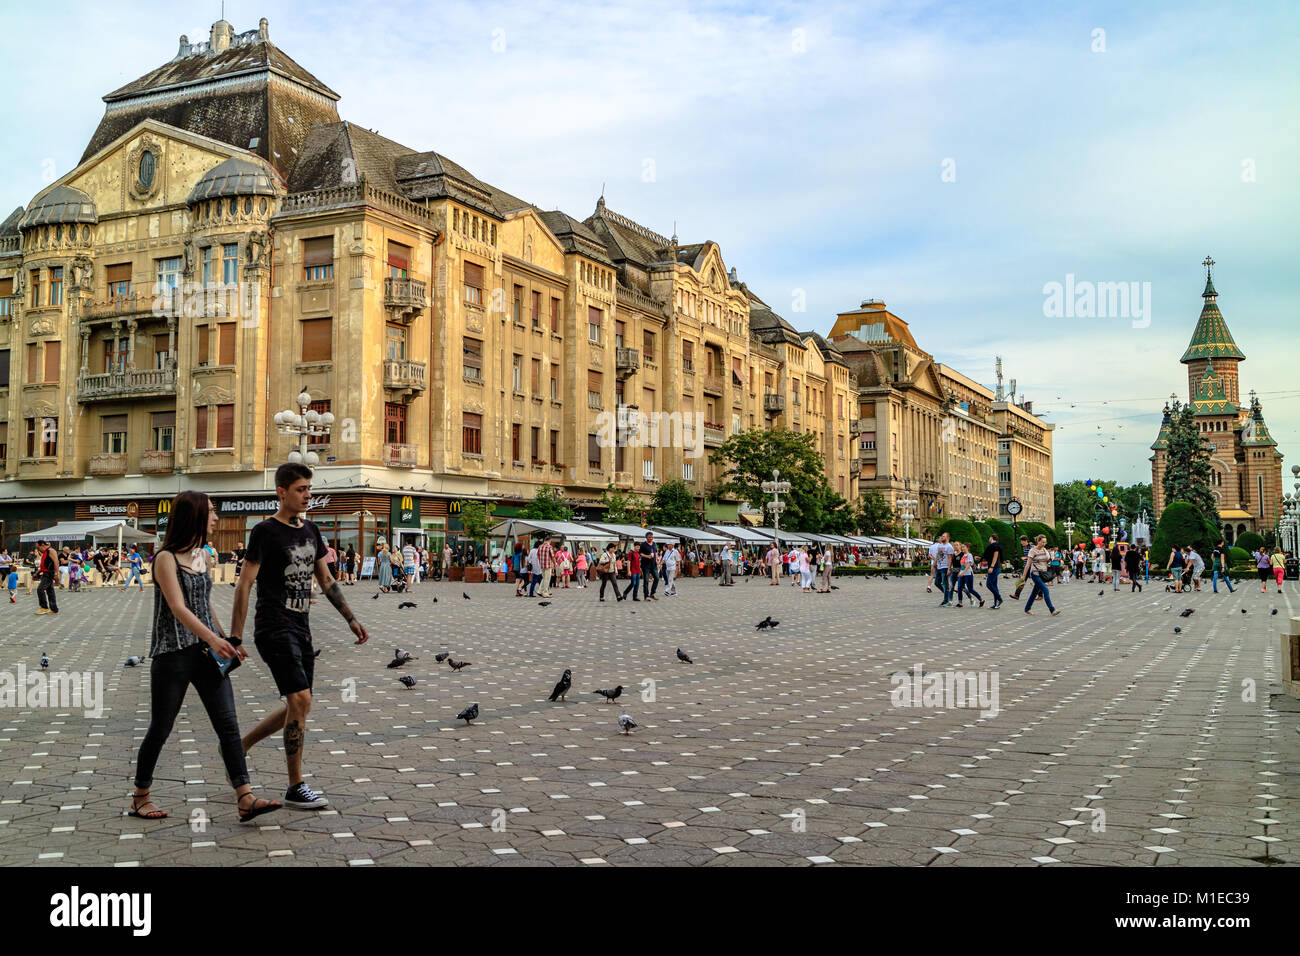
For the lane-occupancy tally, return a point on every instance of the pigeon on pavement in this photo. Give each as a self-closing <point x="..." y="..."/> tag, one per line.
<point x="469" y="714"/>
<point x="1187" y="612"/>
<point x="464" y="595"/>
<point x="134" y="661"/>
<point x="45" y="661"/>
<point x="442" y="657"/>
<point x="457" y="665"/>
<point x="562" y="688"/>
<point x="682" y="656"/>
<point x="610" y="695"/>
<point x="405" y="604"/>
<point x="626" y="722"/>
<point x="408" y="680"/>
<point x="1177" y="629"/>
<point x="543" y="603"/>
<point x="400" y="657"/>
<point x="766" y="622"/>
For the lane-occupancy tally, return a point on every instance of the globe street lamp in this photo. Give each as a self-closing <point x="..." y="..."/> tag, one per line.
<point x="907" y="515"/>
<point x="776" y="487"/>
<point x="303" y="424"/>
<point x="1069" y="530"/>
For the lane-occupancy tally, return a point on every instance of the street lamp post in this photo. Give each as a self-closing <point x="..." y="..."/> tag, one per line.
<point x="907" y="515"/>
<point x="1069" y="532"/>
<point x="776" y="487"/>
<point x="303" y="424"/>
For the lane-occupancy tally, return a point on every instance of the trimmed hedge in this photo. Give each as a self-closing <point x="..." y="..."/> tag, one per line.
<point x="1182" y="524"/>
<point x="959" y="529"/>
<point x="1003" y="530"/>
<point x="1239" y="556"/>
<point x="860" y="570"/>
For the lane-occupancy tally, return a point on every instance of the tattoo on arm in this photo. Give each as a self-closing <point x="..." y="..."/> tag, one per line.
<point x="292" y="737"/>
<point x="335" y="595"/>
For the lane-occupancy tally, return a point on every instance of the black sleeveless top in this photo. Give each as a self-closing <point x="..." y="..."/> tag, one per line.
<point x="168" y="633"/>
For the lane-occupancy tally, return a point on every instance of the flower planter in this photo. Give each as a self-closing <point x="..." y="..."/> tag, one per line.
<point x="456" y="573"/>
<point x="473" y="575"/>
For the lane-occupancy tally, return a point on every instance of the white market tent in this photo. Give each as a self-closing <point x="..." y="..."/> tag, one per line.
<point x="694" y="535"/>
<point x="118" y="531"/>
<point x="562" y="529"/>
<point x="633" y="531"/>
<point x="743" y="535"/>
<point x="787" y="537"/>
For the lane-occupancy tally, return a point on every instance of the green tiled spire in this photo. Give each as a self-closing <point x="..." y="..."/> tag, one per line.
<point x="1211" y="339"/>
<point x="1210" y="396"/>
<point x="1162" y="440"/>
<point x="1255" y="434"/>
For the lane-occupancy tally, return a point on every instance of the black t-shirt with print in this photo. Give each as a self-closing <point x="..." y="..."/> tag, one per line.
<point x="286" y="559"/>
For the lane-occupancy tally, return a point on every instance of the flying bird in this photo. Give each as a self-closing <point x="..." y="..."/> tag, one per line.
<point x="610" y="695"/>
<point x="406" y="604"/>
<point x="45" y="661"/>
<point x="627" y="723"/>
<point x="469" y="714"/>
<point x="562" y="688"/>
<point x="455" y="664"/>
<point x="408" y="680"/>
<point x="134" y="661"/>
<point x="442" y="657"/>
<point x="682" y="656"/>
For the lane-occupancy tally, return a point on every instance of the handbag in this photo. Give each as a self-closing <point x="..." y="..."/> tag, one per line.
<point x="224" y="665"/>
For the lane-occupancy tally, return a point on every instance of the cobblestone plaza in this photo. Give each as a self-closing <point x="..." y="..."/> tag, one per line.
<point x="1113" y="739"/>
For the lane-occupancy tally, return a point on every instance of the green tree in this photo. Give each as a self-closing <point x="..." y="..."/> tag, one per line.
<point x="1182" y="523"/>
<point x="674" y="505"/>
<point x="873" y="514"/>
<point x="748" y="459"/>
<point x="1250" y="542"/>
<point x="834" y="514"/>
<point x="476" y="518"/>
<point x="547" y="505"/>
<point x="1187" y="465"/>
<point x="622" y="507"/>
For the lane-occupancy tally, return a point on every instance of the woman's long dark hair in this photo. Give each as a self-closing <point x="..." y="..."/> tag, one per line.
<point x="187" y="528"/>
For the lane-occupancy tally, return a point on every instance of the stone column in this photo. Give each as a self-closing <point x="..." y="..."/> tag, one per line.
<point x="130" y="345"/>
<point x="85" y="349"/>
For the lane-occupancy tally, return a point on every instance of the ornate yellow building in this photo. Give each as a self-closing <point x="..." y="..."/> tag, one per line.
<point x="227" y="242"/>
<point x="928" y="433"/>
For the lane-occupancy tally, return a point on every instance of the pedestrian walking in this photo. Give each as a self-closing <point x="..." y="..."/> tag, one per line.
<point x="188" y="647"/>
<point x="727" y="558"/>
<point x="1037" y="563"/>
<point x="1133" y="565"/>
<point x="966" y="575"/>
<point x="580" y="568"/>
<point x="546" y="562"/>
<point x="649" y="552"/>
<point x="941" y="554"/>
<point x="827" y="568"/>
<point x="606" y="568"/>
<point x="1278" y="566"/>
<point x="1177" y="565"/>
<point x="47" y="566"/>
<point x="992" y="559"/>
<point x="774" y="563"/>
<point x="672" y="561"/>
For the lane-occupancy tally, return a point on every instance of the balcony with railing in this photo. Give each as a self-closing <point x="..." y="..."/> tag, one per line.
<point x="627" y="361"/>
<point x="773" y="403"/>
<point x="128" y="383"/>
<point x="398" y="455"/>
<point x="154" y="462"/>
<point x="136" y="304"/>
<point x="715" y="433"/>
<point x="712" y="383"/>
<point x="404" y="374"/>
<point x="405" y="297"/>
<point x="107" y="464"/>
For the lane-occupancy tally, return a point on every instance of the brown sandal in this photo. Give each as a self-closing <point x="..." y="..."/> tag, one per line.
<point x="136" y="808"/>
<point x="255" y="811"/>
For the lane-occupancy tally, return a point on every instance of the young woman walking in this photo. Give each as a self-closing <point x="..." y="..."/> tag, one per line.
<point x="189" y="647"/>
<point x="1036" y="564"/>
<point x="966" y="576"/>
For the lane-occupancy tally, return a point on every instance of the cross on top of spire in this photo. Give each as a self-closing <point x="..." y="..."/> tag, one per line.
<point x="1209" y="264"/>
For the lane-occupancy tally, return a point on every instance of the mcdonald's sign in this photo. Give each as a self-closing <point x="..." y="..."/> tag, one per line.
<point x="405" y="512"/>
<point x="164" y="513"/>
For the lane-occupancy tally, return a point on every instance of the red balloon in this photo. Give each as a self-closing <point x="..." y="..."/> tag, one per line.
<point x="1098" y="540"/>
<point x="1105" y="530"/>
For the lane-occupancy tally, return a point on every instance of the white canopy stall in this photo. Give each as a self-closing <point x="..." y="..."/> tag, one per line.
<point x="632" y="531"/>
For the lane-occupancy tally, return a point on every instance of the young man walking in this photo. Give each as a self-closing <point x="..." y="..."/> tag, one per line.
<point x="546" y="561"/>
<point x="649" y="567"/>
<point x="1219" y="565"/>
<point x="992" y="557"/>
<point x="634" y="573"/>
<point x="940" y="564"/>
<point x="47" y="566"/>
<point x="284" y="552"/>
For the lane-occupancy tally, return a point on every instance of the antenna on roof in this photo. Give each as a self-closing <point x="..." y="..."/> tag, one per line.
<point x="1001" y="394"/>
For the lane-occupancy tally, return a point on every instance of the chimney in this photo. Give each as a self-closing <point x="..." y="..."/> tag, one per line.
<point x="219" y="38"/>
<point x="263" y="30"/>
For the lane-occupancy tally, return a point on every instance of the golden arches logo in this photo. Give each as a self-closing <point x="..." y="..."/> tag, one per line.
<point x="164" y="506"/>
<point x="408" y="503"/>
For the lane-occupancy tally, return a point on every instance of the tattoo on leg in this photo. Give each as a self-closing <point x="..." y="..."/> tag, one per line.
<point x="292" y="738"/>
<point x="335" y="595"/>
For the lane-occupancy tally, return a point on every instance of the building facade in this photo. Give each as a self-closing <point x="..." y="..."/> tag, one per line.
<point x="1245" y="465"/>
<point x="927" y="433"/>
<point x="227" y="242"/>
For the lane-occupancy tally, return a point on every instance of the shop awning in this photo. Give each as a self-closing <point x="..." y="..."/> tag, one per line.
<point x="95" y="530"/>
<point x="560" y="529"/>
<point x="738" y="533"/>
<point x="633" y="531"/>
<point x="693" y="535"/>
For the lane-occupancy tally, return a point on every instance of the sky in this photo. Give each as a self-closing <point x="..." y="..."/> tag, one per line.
<point x="953" y="160"/>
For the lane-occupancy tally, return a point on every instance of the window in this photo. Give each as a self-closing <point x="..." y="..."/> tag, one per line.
<point x="555" y="384"/>
<point x="321" y="408"/>
<point x="648" y="465"/>
<point x="399" y="260"/>
<point x="205" y="266"/>
<point x="537" y="310"/>
<point x="114" y="432"/>
<point x="52" y="352"/>
<point x="537" y="378"/>
<point x="161" y="351"/>
<point x="162" y="431"/>
<point x="536" y="446"/>
<point x="226" y="346"/>
<point x="555" y="447"/>
<point x="515" y="429"/>
<point x="56" y="285"/>
<point x="473" y="283"/>
<point x="648" y="345"/>
<point x="594" y="319"/>
<point x="201" y="427"/>
<point x="395" y="423"/>
<point x="517" y="374"/>
<point x="203" y="336"/>
<point x="555" y="315"/>
<point x="317" y="340"/>
<point x="42" y="437"/>
<point x="620" y="329"/>
<point x="735" y="423"/>
<point x="230" y="262"/>
<point x="688" y="471"/>
<point x="595" y="390"/>
<point x="6" y="297"/>
<point x="688" y="356"/>
<point x="593" y="452"/>
<point x="114" y="355"/>
<point x="4" y="441"/>
<point x="169" y="274"/>
<point x="4" y="368"/>
<point x="318" y="258"/>
<point x="395" y="342"/>
<point x="517" y="304"/>
<point x="472" y="356"/>
<point x="119" y="281"/>
<point x="471" y="433"/>
<point x="225" y="426"/>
